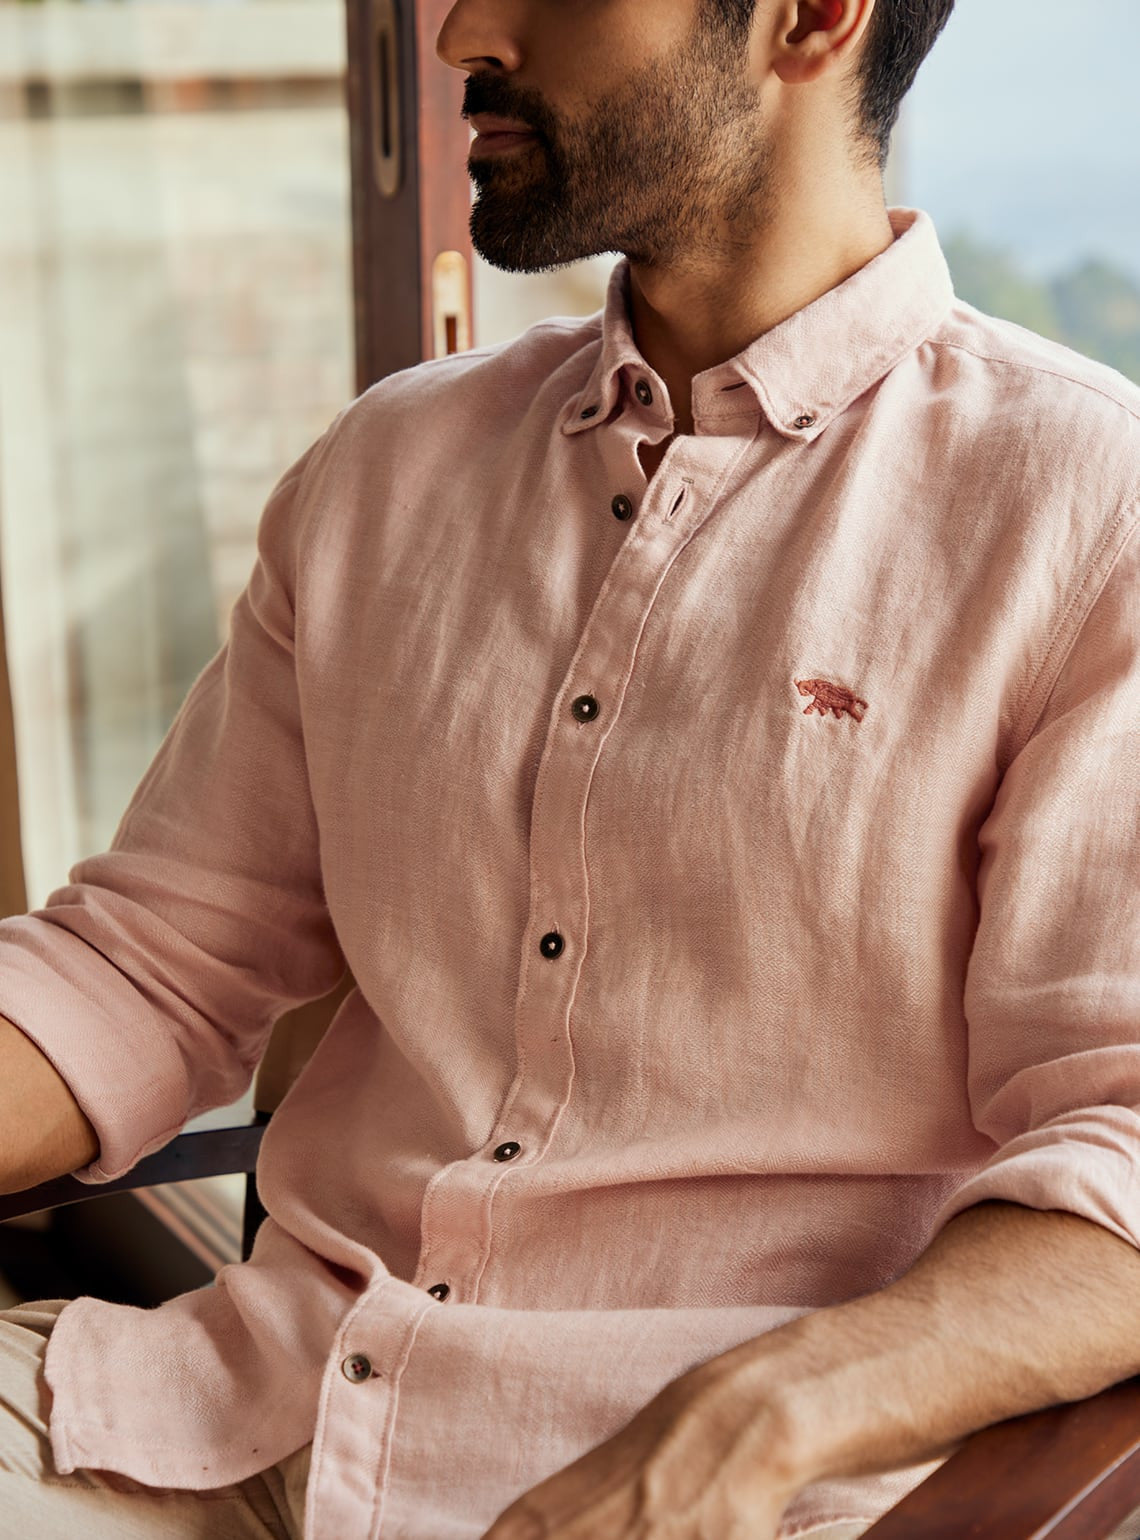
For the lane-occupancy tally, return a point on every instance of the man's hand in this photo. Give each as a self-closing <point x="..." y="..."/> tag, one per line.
<point x="707" y="1456"/>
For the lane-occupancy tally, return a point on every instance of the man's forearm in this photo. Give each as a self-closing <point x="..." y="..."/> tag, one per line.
<point x="43" y="1131"/>
<point x="1009" y="1310"/>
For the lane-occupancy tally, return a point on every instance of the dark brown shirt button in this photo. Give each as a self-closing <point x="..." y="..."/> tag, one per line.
<point x="589" y="411"/>
<point x="507" y="1151"/>
<point x="585" y="708"/>
<point x="357" y="1368"/>
<point x="643" y="393"/>
<point x="551" y="944"/>
<point x="622" y="508"/>
<point x="440" y="1290"/>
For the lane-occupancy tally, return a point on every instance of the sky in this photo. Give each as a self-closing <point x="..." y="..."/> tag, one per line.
<point x="1024" y="128"/>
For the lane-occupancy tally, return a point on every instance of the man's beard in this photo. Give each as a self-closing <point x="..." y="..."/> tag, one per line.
<point x="672" y="163"/>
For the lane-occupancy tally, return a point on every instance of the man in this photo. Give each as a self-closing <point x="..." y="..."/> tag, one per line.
<point x="708" y="733"/>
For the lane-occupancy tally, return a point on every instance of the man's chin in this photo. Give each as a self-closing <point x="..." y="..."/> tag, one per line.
<point x="510" y="260"/>
<point x="508" y="238"/>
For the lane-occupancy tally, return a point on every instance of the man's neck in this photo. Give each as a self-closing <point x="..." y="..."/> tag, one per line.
<point x="688" y="318"/>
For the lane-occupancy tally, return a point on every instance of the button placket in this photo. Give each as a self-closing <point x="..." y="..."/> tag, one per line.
<point x="458" y="1214"/>
<point x="355" y="1422"/>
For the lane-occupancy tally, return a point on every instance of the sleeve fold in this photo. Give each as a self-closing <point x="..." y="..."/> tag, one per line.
<point x="153" y="978"/>
<point x="1052" y="997"/>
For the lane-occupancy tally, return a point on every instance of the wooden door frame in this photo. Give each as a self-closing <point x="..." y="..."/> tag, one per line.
<point x="412" y="259"/>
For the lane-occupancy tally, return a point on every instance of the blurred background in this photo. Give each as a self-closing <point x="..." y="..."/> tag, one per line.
<point x="176" y="318"/>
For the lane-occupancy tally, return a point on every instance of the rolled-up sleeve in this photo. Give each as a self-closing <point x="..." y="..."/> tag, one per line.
<point x="152" y="980"/>
<point x="1052" y="995"/>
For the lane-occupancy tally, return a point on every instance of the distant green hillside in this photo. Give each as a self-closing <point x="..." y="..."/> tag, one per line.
<point x="1094" y="308"/>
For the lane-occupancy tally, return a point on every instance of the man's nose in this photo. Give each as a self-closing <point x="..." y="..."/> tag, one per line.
<point x="480" y="35"/>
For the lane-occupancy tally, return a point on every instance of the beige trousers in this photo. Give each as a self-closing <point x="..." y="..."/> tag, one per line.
<point x="98" y="1505"/>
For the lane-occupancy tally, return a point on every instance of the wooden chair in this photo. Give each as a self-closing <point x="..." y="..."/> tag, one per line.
<point x="1068" y="1473"/>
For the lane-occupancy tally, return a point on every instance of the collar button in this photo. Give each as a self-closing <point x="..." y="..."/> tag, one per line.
<point x="804" y="420"/>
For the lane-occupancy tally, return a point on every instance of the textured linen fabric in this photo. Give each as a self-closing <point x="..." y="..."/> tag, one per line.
<point x="763" y="865"/>
<point x="38" y="1504"/>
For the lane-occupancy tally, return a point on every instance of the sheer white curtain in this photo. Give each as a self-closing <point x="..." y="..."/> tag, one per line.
<point x="174" y="329"/>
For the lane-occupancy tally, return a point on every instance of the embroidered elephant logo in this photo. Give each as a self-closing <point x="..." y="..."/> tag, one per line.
<point x="835" y="698"/>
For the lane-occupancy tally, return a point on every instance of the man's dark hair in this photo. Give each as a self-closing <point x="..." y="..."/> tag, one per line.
<point x="901" y="34"/>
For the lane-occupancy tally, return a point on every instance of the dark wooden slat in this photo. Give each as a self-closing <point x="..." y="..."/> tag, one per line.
<point x="253" y="1210"/>
<point x="1105" y="1505"/>
<point x="212" y="1152"/>
<point x="1071" y="1472"/>
<point x="396" y="239"/>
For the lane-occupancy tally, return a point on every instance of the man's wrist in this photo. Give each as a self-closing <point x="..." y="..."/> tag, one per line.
<point x="43" y="1131"/>
<point x="811" y="1403"/>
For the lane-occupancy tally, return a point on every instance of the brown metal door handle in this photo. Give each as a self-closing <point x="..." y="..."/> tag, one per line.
<point x="386" y="107"/>
<point x="450" y="310"/>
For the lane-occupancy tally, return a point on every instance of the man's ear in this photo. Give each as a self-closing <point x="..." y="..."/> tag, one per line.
<point x="818" y="35"/>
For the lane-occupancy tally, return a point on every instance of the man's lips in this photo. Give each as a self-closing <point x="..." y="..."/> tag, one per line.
<point x="492" y="144"/>
<point x="494" y="134"/>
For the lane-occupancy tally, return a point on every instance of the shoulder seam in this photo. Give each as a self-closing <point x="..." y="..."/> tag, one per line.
<point x="1036" y="368"/>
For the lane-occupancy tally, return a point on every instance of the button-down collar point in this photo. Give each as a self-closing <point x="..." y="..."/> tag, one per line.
<point x="643" y="392"/>
<point x="804" y="420"/>
<point x="831" y="352"/>
<point x="589" y="411"/>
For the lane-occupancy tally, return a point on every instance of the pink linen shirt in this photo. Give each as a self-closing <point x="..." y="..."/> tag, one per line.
<point x="738" y="869"/>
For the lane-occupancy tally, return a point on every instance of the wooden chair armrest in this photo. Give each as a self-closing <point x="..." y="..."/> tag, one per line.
<point x="1070" y="1472"/>
<point x="211" y="1152"/>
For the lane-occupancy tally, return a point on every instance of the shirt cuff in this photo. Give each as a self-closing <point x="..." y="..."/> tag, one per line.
<point x="1084" y="1162"/>
<point x="126" y="1073"/>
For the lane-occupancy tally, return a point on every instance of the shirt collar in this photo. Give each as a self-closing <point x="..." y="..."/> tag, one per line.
<point x="809" y="368"/>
